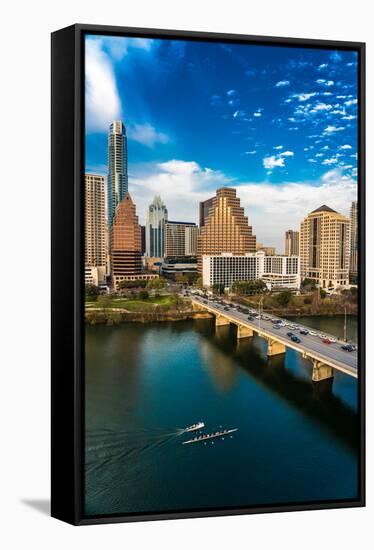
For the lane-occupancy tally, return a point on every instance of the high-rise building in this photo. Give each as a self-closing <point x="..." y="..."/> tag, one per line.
<point x="94" y="224"/>
<point x="268" y="250"/>
<point x="142" y="228"/>
<point x="226" y="229"/>
<point x="126" y="255"/>
<point x="353" y="267"/>
<point x="325" y="247"/>
<point x="117" y="167"/>
<point x="291" y="243"/>
<point x="204" y="207"/>
<point x="175" y="238"/>
<point x="277" y="272"/>
<point x="190" y="236"/>
<point x="157" y="216"/>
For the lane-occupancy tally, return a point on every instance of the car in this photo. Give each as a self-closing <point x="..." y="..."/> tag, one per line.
<point x="290" y="334"/>
<point x="250" y="318"/>
<point x="326" y="341"/>
<point x="295" y="339"/>
<point x="313" y="333"/>
<point x="277" y="326"/>
<point x="205" y="301"/>
<point x="304" y="331"/>
<point x="226" y="308"/>
<point x="347" y="347"/>
<point x="246" y="311"/>
<point x="332" y="340"/>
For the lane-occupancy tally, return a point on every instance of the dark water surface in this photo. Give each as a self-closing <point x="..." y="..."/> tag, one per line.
<point x="297" y="441"/>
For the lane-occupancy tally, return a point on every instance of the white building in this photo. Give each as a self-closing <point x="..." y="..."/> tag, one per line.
<point x="278" y="272"/>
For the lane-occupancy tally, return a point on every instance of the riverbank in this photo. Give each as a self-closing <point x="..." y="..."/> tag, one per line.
<point x="115" y="316"/>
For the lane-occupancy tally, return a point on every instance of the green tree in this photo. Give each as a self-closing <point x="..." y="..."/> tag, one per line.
<point x="284" y="298"/>
<point x="181" y="278"/>
<point x="308" y="284"/>
<point x="92" y="291"/>
<point x="156" y="284"/>
<point x="143" y="295"/>
<point x="199" y="283"/>
<point x="103" y="301"/>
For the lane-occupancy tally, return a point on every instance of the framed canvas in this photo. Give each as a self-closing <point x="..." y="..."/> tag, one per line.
<point x="208" y="287"/>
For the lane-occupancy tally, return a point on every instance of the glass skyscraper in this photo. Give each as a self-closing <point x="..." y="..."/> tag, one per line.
<point x="117" y="167"/>
<point x="157" y="215"/>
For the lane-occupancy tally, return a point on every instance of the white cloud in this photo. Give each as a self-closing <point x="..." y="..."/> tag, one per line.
<point x="335" y="57"/>
<point x="330" y="161"/>
<point x="278" y="147"/>
<point x="324" y="82"/>
<point x="231" y="92"/>
<point x="273" y="161"/>
<point x="332" y="129"/>
<point x="285" y="204"/>
<point x="250" y="152"/>
<point x="102" y="98"/>
<point x="351" y="102"/>
<point x="146" y="134"/>
<point x="257" y="114"/>
<point x="287" y="154"/>
<point x="322" y="107"/>
<point x="346" y="146"/>
<point x="304" y="97"/>
<point x="282" y="83"/>
<point x="322" y="66"/>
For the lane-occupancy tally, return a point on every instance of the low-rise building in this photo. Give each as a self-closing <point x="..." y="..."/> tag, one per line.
<point x="278" y="272"/>
<point x="172" y="266"/>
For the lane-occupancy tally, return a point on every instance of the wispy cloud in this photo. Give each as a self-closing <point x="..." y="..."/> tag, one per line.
<point x="146" y="134"/>
<point x="282" y="83"/>
<point x="333" y="129"/>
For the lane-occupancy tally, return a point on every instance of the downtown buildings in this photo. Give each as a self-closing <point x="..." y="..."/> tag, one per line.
<point x="325" y="248"/>
<point x="157" y="216"/>
<point x="291" y="243"/>
<point x="117" y="167"/>
<point x="95" y="246"/>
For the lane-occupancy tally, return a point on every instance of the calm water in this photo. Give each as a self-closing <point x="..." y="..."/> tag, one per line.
<point x="296" y="441"/>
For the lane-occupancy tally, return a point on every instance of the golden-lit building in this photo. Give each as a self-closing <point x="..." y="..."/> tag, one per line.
<point x="95" y="243"/>
<point x="291" y="243"/>
<point x="226" y="228"/>
<point x="268" y="250"/>
<point x="126" y="256"/>
<point x="325" y="247"/>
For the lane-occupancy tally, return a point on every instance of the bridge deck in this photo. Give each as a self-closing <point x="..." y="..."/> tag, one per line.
<point x="310" y="346"/>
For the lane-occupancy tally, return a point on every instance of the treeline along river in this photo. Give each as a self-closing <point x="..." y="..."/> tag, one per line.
<point x="297" y="441"/>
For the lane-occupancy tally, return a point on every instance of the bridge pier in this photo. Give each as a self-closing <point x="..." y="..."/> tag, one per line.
<point x="221" y="321"/>
<point x="244" y="332"/>
<point x="275" y="348"/>
<point x="321" y="371"/>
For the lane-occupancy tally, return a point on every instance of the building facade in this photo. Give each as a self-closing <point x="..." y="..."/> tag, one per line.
<point x="175" y="238"/>
<point x="353" y="263"/>
<point x="157" y="216"/>
<point x="190" y="236"/>
<point x="171" y="267"/>
<point x="325" y="248"/>
<point x="278" y="272"/>
<point x="117" y="167"/>
<point x="291" y="243"/>
<point x="268" y="250"/>
<point x="126" y="255"/>
<point x="226" y="229"/>
<point x="204" y="208"/>
<point x="95" y="241"/>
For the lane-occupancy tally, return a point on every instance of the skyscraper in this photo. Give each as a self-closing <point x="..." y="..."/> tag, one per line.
<point x="126" y="242"/>
<point x="226" y="228"/>
<point x="291" y="245"/>
<point x="94" y="224"/>
<point x="157" y="215"/>
<point x="190" y="240"/>
<point x="117" y="167"/>
<point x="353" y="267"/>
<point x="325" y="247"/>
<point x="175" y="238"/>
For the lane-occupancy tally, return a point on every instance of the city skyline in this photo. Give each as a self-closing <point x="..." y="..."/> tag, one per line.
<point x="288" y="173"/>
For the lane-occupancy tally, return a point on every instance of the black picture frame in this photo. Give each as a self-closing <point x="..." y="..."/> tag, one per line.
<point x="67" y="358"/>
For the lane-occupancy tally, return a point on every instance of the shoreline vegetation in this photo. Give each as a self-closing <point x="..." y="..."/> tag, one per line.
<point x="143" y="308"/>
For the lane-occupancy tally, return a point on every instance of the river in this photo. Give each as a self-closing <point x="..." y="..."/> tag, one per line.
<point x="296" y="442"/>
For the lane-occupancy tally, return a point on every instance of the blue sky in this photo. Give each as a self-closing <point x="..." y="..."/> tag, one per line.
<point x="279" y="124"/>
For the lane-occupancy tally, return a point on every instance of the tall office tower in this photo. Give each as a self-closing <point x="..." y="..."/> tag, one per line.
<point x="325" y="247"/>
<point x="226" y="228"/>
<point x="117" y="167"/>
<point x="204" y="207"/>
<point x="291" y="244"/>
<point x="157" y="216"/>
<point x="190" y="240"/>
<point x="175" y="238"/>
<point x="126" y="240"/>
<point x="353" y="267"/>
<point x="94" y="224"/>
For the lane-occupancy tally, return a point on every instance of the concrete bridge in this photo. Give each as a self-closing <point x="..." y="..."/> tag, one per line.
<point x="324" y="357"/>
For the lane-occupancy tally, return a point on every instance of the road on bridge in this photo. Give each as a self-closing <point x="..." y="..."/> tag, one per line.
<point x="332" y="353"/>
